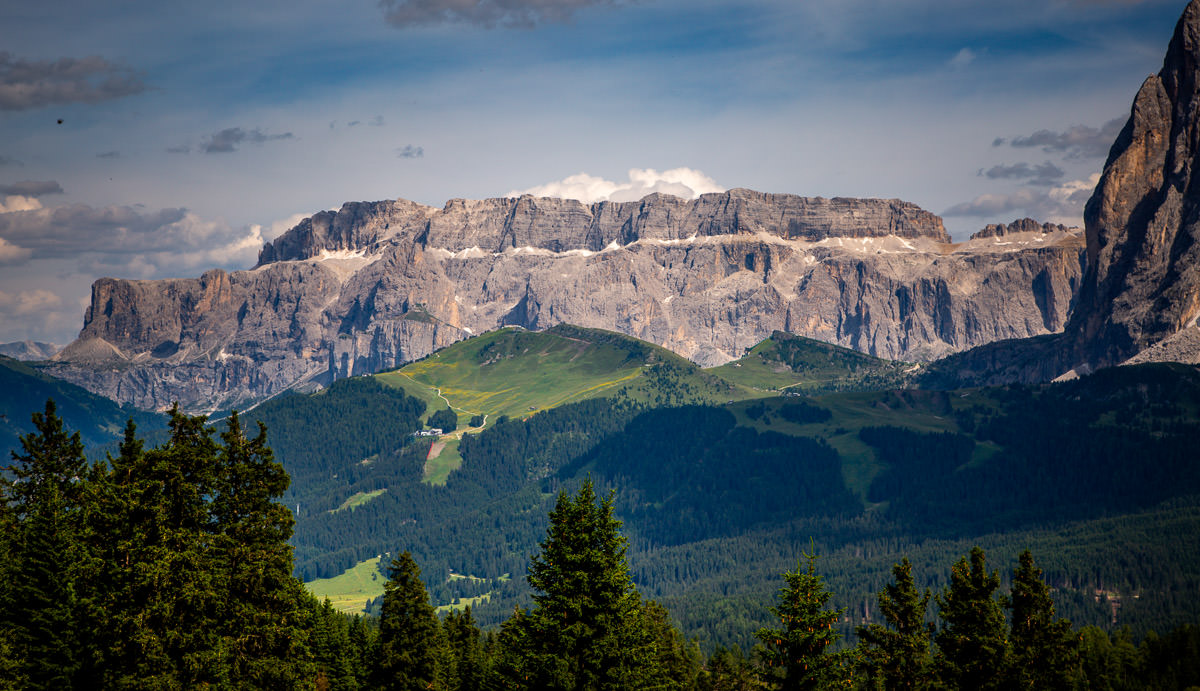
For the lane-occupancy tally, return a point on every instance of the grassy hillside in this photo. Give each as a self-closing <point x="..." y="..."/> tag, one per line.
<point x="786" y="362"/>
<point x="721" y="483"/>
<point x="516" y="373"/>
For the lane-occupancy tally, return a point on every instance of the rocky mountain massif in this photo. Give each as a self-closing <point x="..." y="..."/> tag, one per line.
<point x="1140" y="296"/>
<point x="375" y="285"/>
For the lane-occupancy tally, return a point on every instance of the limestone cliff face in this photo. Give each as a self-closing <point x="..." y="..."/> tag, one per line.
<point x="1143" y="221"/>
<point x="376" y="285"/>
<point x="1140" y="296"/>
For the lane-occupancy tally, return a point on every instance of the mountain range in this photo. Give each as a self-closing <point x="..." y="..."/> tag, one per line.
<point x="377" y="284"/>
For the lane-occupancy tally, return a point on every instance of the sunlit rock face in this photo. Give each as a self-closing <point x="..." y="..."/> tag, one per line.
<point x="375" y="285"/>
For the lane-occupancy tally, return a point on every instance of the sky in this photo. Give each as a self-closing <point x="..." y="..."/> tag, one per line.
<point x="159" y="139"/>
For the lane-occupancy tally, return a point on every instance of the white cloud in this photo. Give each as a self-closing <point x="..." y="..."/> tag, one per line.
<point x="18" y="202"/>
<point x="679" y="182"/>
<point x="962" y="58"/>
<point x="26" y="302"/>
<point x="13" y="254"/>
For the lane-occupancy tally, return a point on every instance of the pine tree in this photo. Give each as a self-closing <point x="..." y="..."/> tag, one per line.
<point x="408" y="630"/>
<point x="797" y="654"/>
<point x="43" y="612"/>
<point x="1045" y="652"/>
<point x="262" y="600"/>
<point x="586" y="629"/>
<point x="897" y="656"/>
<point x="973" y="642"/>
<point x="465" y="642"/>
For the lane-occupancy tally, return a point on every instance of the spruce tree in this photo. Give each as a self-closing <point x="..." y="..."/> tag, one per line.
<point x="973" y="643"/>
<point x="408" y="631"/>
<point x="1045" y="652"/>
<point x="261" y="608"/>
<point x="464" y="640"/>
<point x="586" y="628"/>
<point x="47" y="635"/>
<point x="797" y="654"/>
<point x="897" y="656"/>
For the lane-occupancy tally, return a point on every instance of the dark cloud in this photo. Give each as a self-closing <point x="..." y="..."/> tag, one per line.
<point x="1044" y="174"/>
<point x="122" y="240"/>
<point x="6" y="161"/>
<point x="411" y="151"/>
<point x="228" y="139"/>
<point x="1077" y="141"/>
<point x="181" y="149"/>
<point x="32" y="188"/>
<point x="26" y="84"/>
<point x="109" y="154"/>
<point x="1061" y="204"/>
<point x="485" y="13"/>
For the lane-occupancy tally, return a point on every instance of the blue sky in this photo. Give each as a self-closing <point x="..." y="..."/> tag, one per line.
<point x="192" y="132"/>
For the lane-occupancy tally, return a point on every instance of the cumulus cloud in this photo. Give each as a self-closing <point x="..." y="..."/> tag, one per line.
<point x="679" y="182"/>
<point x="26" y="84"/>
<point x="1077" y="141"/>
<point x="410" y="151"/>
<point x="485" y="13"/>
<point x="277" y="228"/>
<point x="113" y="238"/>
<point x="26" y="302"/>
<point x="1045" y="174"/>
<point x="228" y="139"/>
<point x="1061" y="204"/>
<point x="12" y="254"/>
<point x="19" y="203"/>
<point x="32" y="188"/>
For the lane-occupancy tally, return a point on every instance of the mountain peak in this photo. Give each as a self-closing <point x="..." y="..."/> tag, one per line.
<point x="1142" y="222"/>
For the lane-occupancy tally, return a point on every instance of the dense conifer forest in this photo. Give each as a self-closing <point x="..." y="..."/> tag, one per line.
<point x="169" y="567"/>
<point x="179" y="555"/>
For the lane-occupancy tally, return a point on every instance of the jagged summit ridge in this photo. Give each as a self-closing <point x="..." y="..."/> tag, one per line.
<point x="558" y="225"/>
<point x="377" y="284"/>
<point x="1143" y="220"/>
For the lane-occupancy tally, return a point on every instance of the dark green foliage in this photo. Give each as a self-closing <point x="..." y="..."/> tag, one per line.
<point x="1044" y="649"/>
<point x="729" y="669"/>
<point x="586" y="628"/>
<point x="803" y="413"/>
<point x="465" y="642"/>
<point x="692" y="474"/>
<point x="322" y="439"/>
<point x="973" y="644"/>
<point x="476" y="420"/>
<point x="897" y="656"/>
<point x="44" y="615"/>
<point x="444" y="419"/>
<point x="409" y="635"/>
<point x="798" y="654"/>
<point x="339" y="660"/>
<point x="678" y="658"/>
<point x="165" y="568"/>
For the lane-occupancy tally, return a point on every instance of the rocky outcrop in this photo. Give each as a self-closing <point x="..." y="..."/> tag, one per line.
<point x="1143" y="221"/>
<point x="375" y="285"/>
<point x="1140" y="297"/>
<point x="1021" y="225"/>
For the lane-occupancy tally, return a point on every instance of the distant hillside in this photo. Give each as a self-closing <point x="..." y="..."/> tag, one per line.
<point x="802" y="365"/>
<point x="720" y="483"/>
<point x="99" y="421"/>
